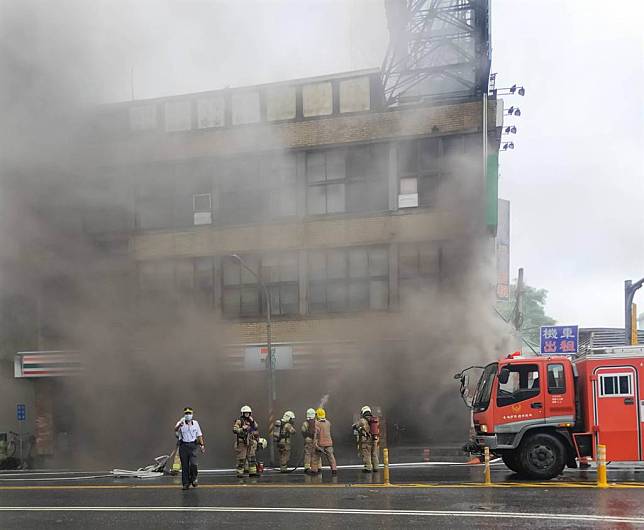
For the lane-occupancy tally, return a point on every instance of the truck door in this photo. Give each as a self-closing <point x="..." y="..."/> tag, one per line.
<point x="520" y="401"/>
<point x="560" y="398"/>
<point x="616" y="412"/>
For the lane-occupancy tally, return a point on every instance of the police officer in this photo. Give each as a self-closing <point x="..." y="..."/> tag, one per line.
<point x="190" y="436"/>
<point x="308" y="433"/>
<point x="282" y="432"/>
<point x="246" y="437"/>
<point x="323" y="443"/>
<point x="368" y="434"/>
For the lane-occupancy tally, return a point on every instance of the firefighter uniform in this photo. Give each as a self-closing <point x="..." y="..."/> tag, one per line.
<point x="282" y="436"/>
<point x="246" y="437"/>
<point x="368" y="441"/>
<point x="308" y="433"/>
<point x="323" y="443"/>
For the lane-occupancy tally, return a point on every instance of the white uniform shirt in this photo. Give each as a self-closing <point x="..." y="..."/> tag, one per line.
<point x="188" y="432"/>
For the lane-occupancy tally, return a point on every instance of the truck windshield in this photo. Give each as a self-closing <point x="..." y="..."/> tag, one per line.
<point x="484" y="388"/>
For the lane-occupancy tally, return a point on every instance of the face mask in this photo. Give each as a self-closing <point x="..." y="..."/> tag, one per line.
<point x="188" y="417"/>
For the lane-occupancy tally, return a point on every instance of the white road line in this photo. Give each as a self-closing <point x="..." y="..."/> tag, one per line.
<point x="55" y="479"/>
<point x="333" y="511"/>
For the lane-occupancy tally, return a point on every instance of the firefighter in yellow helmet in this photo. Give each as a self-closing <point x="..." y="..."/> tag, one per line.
<point x="308" y="433"/>
<point x="368" y="433"/>
<point x="282" y="431"/>
<point x="246" y="437"/>
<point x="323" y="443"/>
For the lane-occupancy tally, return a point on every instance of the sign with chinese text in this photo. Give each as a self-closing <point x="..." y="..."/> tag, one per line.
<point x="559" y="340"/>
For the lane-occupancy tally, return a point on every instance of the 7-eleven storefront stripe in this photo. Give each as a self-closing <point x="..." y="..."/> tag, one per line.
<point x="47" y="364"/>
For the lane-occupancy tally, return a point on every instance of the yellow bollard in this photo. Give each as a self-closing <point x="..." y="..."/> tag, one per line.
<point x="385" y="459"/>
<point x="602" y="479"/>
<point x="488" y="474"/>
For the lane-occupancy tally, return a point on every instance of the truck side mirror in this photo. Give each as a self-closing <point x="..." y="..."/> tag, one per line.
<point x="504" y="375"/>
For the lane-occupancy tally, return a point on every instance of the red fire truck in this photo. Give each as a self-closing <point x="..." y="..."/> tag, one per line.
<point x="539" y="414"/>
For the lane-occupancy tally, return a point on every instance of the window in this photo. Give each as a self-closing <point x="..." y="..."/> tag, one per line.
<point x="178" y="116"/>
<point x="523" y="383"/>
<point x="211" y="112"/>
<point x="326" y="186"/>
<point x="616" y="385"/>
<point x="245" y="107"/>
<point x="366" y="178"/>
<point x="240" y="289"/>
<point x="419" y="169"/>
<point x="242" y="295"/>
<point x="280" y="275"/>
<point x="202" y="207"/>
<point x="355" y="95"/>
<point x="317" y="99"/>
<point x="155" y="198"/>
<point x="280" y="103"/>
<point x="143" y="118"/>
<point x="419" y="268"/>
<point x="556" y="379"/>
<point x="204" y="281"/>
<point x="278" y="175"/>
<point x="352" y="279"/>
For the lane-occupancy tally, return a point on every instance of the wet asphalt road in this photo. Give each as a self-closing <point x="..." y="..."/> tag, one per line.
<point x="434" y="496"/>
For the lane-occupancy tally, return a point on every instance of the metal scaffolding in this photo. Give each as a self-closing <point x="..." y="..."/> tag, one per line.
<point x="437" y="49"/>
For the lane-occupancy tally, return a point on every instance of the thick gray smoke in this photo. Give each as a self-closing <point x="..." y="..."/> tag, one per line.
<point x="143" y="366"/>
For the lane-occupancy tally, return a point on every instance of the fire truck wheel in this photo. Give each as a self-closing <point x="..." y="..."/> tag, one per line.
<point x="511" y="460"/>
<point x="543" y="457"/>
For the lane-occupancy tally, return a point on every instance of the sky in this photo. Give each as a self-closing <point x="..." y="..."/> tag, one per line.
<point x="576" y="177"/>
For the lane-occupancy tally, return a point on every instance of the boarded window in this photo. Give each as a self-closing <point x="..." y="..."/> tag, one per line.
<point x="280" y="103"/>
<point x="317" y="99"/>
<point x="143" y="117"/>
<point x="178" y="116"/>
<point x="355" y="95"/>
<point x="211" y="112"/>
<point x="245" y="107"/>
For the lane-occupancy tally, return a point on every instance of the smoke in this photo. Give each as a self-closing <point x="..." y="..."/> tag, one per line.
<point x="147" y="358"/>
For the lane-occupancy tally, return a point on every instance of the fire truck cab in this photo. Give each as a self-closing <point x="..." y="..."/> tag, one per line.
<point x="539" y="414"/>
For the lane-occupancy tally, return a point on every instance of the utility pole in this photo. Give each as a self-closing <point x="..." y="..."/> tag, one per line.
<point x="630" y="310"/>
<point x="270" y="370"/>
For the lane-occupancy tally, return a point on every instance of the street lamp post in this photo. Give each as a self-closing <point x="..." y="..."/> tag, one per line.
<point x="270" y="371"/>
<point x="630" y="323"/>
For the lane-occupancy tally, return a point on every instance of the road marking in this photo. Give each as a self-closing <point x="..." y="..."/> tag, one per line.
<point x="537" y="485"/>
<point x="333" y="511"/>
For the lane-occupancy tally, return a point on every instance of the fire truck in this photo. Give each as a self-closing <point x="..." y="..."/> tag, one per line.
<point x="540" y="414"/>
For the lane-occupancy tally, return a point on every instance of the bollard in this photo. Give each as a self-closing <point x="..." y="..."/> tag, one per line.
<point x="488" y="474"/>
<point x="602" y="480"/>
<point x="385" y="459"/>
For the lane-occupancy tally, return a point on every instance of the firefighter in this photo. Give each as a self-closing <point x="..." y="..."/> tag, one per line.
<point x="368" y="429"/>
<point x="190" y="436"/>
<point x="308" y="433"/>
<point x="282" y="432"/>
<point x="323" y="443"/>
<point x="246" y="437"/>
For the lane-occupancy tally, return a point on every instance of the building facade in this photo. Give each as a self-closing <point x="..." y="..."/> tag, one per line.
<point x="362" y="220"/>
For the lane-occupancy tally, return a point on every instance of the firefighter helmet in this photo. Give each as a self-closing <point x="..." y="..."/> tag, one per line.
<point x="245" y="409"/>
<point x="262" y="442"/>
<point x="366" y="409"/>
<point x="288" y="416"/>
<point x="187" y="410"/>
<point x="320" y="413"/>
<point x="310" y="414"/>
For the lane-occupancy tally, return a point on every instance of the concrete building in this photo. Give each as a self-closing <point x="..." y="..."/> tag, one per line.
<point x="354" y="214"/>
